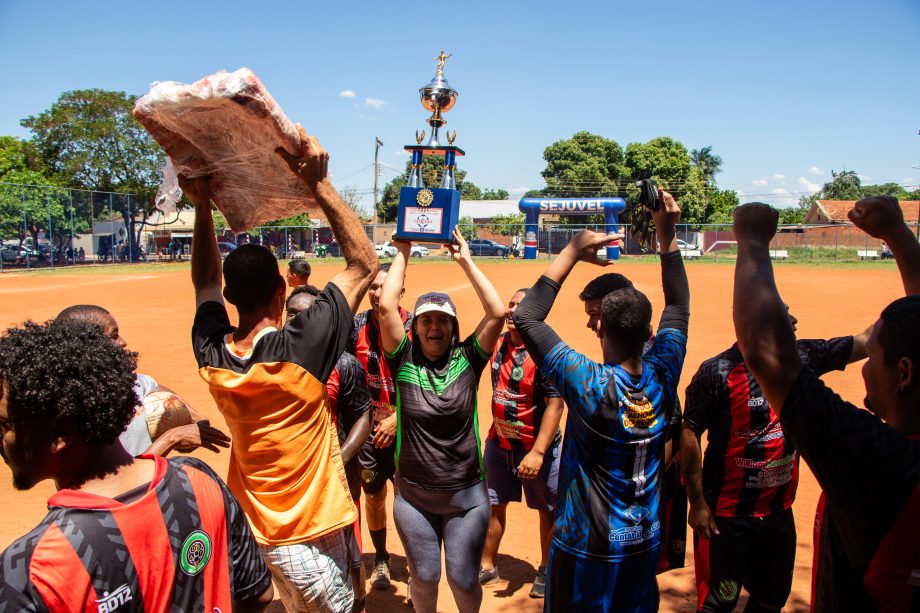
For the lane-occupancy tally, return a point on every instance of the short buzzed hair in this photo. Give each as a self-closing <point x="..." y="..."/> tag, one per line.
<point x="626" y="315"/>
<point x="300" y="267"/>
<point x="251" y="277"/>
<point x="87" y="313"/>
<point x="899" y="334"/>
<point x="599" y="287"/>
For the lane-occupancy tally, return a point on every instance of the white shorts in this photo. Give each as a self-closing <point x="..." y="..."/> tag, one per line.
<point x="312" y="575"/>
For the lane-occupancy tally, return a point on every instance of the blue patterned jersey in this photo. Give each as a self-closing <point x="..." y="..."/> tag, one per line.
<point x="614" y="447"/>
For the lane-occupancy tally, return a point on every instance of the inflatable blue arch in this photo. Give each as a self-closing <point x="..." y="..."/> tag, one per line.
<point x="534" y="207"/>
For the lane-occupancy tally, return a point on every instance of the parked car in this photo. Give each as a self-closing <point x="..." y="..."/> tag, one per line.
<point x="483" y="246"/>
<point x="385" y="250"/>
<point x="225" y="248"/>
<point x="388" y="250"/>
<point x="688" y="251"/>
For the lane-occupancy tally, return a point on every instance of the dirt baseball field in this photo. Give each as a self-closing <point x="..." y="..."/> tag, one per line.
<point x="154" y="307"/>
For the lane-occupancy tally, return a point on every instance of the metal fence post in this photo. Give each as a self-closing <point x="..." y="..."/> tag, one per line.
<point x="50" y="230"/>
<point x="130" y="233"/>
<point x="836" y="241"/>
<point x="73" y="252"/>
<point x="25" y="225"/>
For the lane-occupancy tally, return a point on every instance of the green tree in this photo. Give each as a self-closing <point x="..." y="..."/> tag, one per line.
<point x="844" y="185"/>
<point x="432" y="167"/>
<point x="300" y="220"/>
<point x="583" y="166"/>
<point x="795" y="215"/>
<point x="707" y="163"/>
<point x="467" y="228"/>
<point x="884" y="189"/>
<point x="495" y="194"/>
<point x="507" y="225"/>
<point x="668" y="162"/>
<point x="720" y="204"/>
<point x="89" y="139"/>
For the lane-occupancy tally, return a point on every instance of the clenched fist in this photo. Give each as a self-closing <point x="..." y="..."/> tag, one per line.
<point x="878" y="216"/>
<point x="755" y="222"/>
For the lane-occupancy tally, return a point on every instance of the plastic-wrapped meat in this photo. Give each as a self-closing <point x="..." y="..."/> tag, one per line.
<point x="228" y="125"/>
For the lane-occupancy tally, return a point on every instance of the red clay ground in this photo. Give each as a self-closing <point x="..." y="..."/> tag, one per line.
<point x="155" y="309"/>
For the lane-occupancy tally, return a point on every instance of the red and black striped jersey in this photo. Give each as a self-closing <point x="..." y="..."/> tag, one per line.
<point x="183" y="545"/>
<point x="749" y="469"/>
<point x="350" y="402"/>
<point x="867" y="554"/>
<point x="365" y="345"/>
<point x="519" y="394"/>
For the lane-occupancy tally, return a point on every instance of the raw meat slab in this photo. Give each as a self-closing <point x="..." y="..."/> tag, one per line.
<point x="228" y="125"/>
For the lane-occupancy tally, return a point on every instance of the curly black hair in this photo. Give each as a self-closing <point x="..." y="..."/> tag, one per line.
<point x="68" y="369"/>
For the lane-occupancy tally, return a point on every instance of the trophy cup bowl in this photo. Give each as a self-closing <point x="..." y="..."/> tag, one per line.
<point x="438" y="96"/>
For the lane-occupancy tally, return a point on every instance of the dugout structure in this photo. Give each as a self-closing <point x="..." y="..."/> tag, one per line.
<point x="534" y="207"/>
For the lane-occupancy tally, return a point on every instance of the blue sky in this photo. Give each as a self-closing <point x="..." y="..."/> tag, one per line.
<point x="784" y="91"/>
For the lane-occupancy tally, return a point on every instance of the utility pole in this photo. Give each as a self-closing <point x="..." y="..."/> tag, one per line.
<point x="377" y="146"/>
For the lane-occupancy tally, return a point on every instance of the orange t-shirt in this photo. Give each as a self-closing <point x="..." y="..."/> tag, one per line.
<point x="286" y="468"/>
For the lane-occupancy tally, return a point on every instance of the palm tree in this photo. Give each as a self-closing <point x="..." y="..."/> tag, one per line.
<point x="709" y="164"/>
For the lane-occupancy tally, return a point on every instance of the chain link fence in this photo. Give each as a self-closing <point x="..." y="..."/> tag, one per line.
<point x="49" y="227"/>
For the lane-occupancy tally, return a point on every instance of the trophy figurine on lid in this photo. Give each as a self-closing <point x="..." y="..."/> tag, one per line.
<point x="430" y="213"/>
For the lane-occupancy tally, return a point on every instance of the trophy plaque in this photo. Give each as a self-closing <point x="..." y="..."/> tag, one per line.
<point x="429" y="214"/>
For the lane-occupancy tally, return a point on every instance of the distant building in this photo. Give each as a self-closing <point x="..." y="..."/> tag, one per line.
<point x="835" y="211"/>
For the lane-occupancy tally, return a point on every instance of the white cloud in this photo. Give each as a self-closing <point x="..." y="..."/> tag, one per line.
<point x="864" y="178"/>
<point x="759" y="182"/>
<point x="814" y="170"/>
<point x="347" y="93"/>
<point x="374" y="103"/>
<point x="518" y="190"/>
<point x="401" y="153"/>
<point x="909" y="180"/>
<point x="808" y="185"/>
<point x="779" y="191"/>
<point x="779" y="177"/>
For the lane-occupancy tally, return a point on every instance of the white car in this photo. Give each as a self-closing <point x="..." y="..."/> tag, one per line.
<point x="688" y="251"/>
<point x="385" y="250"/>
<point x="388" y="250"/>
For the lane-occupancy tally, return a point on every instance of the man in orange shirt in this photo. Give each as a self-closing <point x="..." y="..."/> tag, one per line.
<point x="269" y="383"/>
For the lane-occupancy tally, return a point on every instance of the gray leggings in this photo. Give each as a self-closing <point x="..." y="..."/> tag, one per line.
<point x="425" y="518"/>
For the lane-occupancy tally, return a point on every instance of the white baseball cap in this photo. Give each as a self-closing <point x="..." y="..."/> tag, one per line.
<point x="435" y="301"/>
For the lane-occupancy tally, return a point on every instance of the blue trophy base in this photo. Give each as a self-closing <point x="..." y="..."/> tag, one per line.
<point x="427" y="214"/>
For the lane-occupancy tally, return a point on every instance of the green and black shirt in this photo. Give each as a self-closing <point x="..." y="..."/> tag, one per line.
<point x="437" y="436"/>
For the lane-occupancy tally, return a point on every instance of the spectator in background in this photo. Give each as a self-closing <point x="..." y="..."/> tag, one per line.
<point x="298" y="273"/>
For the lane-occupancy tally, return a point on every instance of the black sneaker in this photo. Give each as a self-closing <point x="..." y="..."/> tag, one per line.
<point x="539" y="584"/>
<point x="380" y="577"/>
<point x="488" y="577"/>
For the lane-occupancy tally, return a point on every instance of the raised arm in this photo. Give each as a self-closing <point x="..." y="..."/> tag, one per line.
<point x="539" y="337"/>
<point x="490" y="326"/>
<point x="206" y="266"/>
<point x="676" y="313"/>
<point x="392" y="331"/>
<point x="311" y="164"/>
<point x="881" y="217"/>
<point x="762" y="326"/>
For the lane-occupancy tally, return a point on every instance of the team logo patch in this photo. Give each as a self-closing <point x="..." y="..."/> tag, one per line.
<point x="110" y="601"/>
<point x="728" y="590"/>
<point x="517" y="373"/>
<point x="636" y="513"/>
<point x="196" y="551"/>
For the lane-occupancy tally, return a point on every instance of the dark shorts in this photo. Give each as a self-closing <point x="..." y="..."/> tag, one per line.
<point x="756" y="553"/>
<point x="589" y="585"/>
<point x="377" y="466"/>
<point x="504" y="484"/>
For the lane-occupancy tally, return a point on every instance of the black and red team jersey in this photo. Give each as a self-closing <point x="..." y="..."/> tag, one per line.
<point x="519" y="394"/>
<point x="867" y="557"/>
<point x="365" y="345"/>
<point x="183" y="545"/>
<point x="750" y="469"/>
<point x="349" y="400"/>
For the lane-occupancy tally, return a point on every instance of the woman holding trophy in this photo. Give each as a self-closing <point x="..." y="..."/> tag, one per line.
<point x="441" y="494"/>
